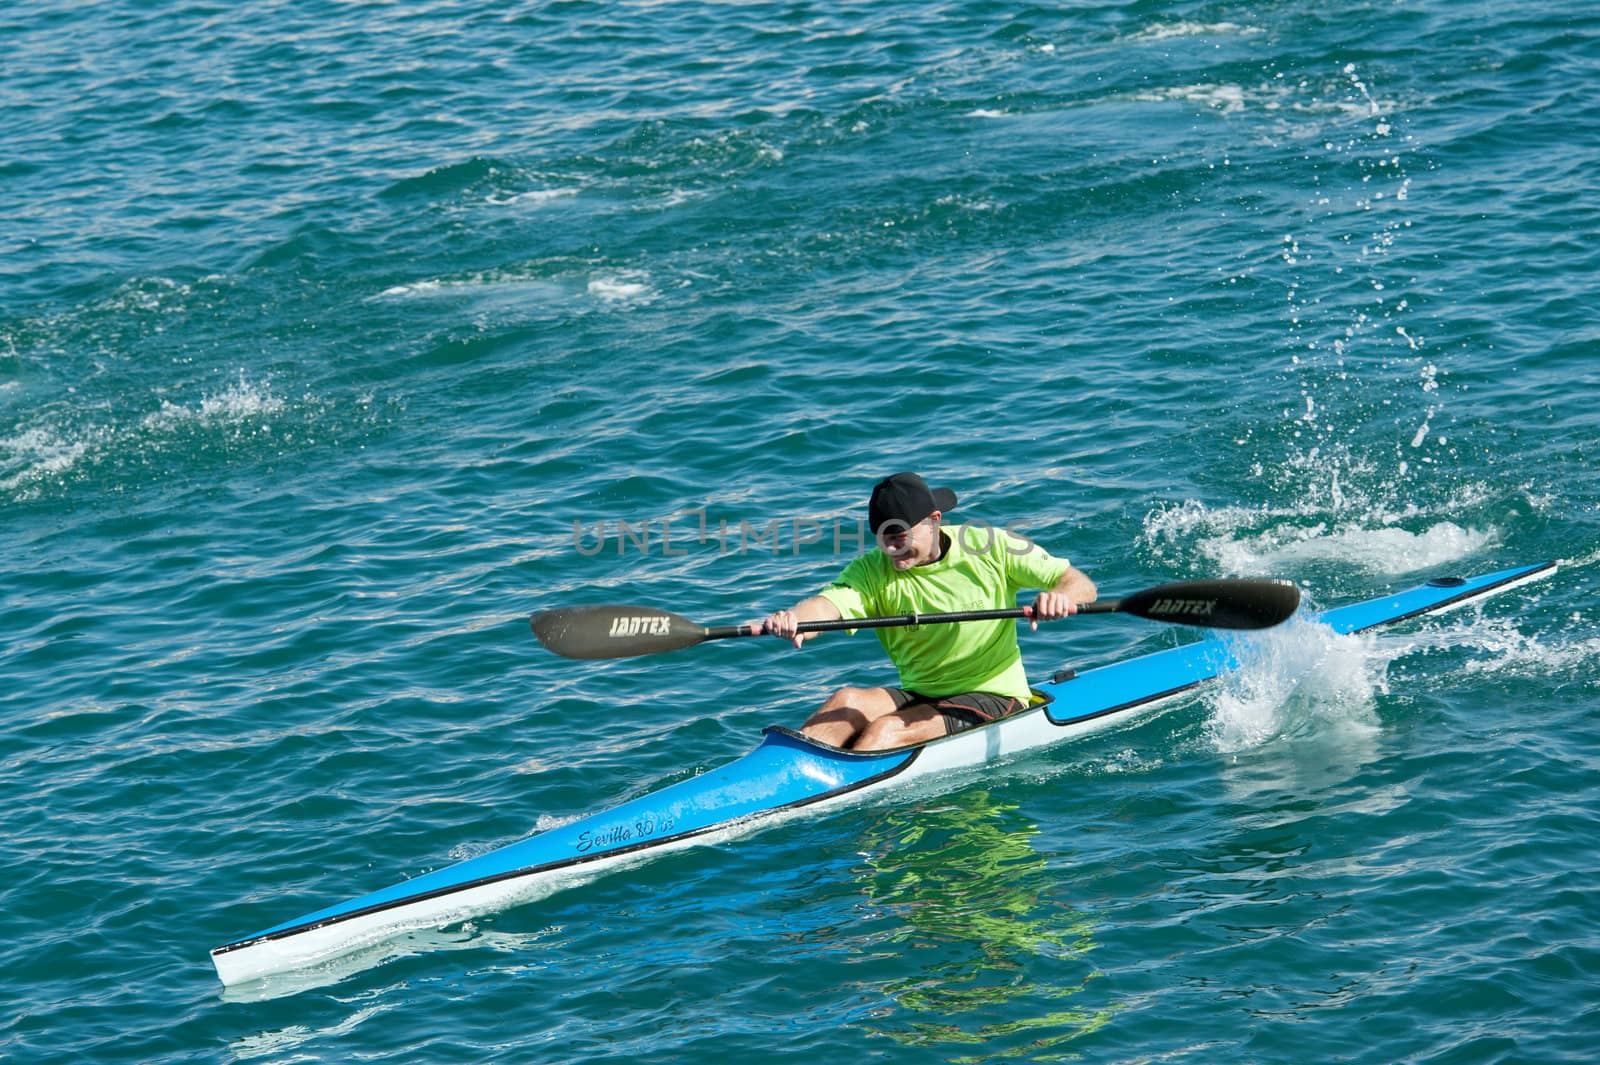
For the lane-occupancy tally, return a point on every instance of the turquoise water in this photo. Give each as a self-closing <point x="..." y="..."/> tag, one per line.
<point x="337" y="338"/>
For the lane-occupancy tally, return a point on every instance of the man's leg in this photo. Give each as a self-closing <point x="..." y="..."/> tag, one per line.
<point x="849" y="712"/>
<point x="916" y="723"/>
<point x="919" y="720"/>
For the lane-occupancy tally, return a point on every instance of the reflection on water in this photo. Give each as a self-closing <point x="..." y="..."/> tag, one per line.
<point x="1001" y="957"/>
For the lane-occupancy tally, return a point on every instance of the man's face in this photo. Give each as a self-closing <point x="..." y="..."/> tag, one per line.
<point x="915" y="546"/>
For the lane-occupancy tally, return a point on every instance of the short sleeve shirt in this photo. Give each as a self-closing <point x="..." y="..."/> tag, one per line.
<point x="982" y="569"/>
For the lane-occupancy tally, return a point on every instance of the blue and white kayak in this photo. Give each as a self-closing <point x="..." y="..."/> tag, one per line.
<point x="786" y="774"/>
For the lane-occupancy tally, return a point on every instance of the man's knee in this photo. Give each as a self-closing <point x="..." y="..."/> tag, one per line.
<point x="848" y="699"/>
<point x="843" y="709"/>
<point x="885" y="732"/>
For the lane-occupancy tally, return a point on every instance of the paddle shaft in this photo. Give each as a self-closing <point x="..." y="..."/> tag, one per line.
<point x="891" y="621"/>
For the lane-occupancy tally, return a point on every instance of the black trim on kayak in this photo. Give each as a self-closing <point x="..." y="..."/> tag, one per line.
<point x="569" y="863"/>
<point x="1454" y="582"/>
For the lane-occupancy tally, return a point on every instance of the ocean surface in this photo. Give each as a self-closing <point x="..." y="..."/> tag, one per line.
<point x="337" y="338"/>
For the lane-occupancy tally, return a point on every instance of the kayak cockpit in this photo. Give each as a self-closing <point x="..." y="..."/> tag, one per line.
<point x="799" y="739"/>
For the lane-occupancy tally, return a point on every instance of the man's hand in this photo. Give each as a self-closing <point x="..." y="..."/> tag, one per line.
<point x="784" y="625"/>
<point x="1051" y="606"/>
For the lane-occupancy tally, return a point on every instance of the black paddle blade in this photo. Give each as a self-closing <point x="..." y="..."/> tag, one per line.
<point x="614" y="631"/>
<point x="1244" y="603"/>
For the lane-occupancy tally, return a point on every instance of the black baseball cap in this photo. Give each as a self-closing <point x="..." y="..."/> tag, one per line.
<point x="905" y="499"/>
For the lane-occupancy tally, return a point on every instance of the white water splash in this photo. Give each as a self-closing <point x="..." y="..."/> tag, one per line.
<point x="1228" y="99"/>
<point x="1171" y="30"/>
<point x="1338" y="525"/>
<point x="1496" y="646"/>
<point x="1383" y="551"/>
<point x="493" y="296"/>
<point x="37" y="454"/>
<point x="414" y="289"/>
<point x="1301" y="709"/>
<point x="1300" y="678"/>
<point x="531" y="198"/>
<point x="62" y="447"/>
<point x="625" y="289"/>
<point x="1374" y="110"/>
<point x="241" y="401"/>
<point x="968" y="203"/>
<point x="1274" y="96"/>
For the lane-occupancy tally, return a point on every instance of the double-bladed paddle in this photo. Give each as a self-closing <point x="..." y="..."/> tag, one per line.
<point x="627" y="631"/>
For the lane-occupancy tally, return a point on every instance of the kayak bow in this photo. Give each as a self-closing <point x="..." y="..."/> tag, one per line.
<point x="785" y="774"/>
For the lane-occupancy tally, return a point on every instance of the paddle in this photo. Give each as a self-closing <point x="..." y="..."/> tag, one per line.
<point x="627" y="631"/>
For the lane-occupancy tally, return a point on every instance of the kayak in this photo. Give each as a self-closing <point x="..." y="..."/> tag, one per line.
<point x="786" y="774"/>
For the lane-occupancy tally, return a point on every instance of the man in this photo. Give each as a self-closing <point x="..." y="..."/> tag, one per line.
<point x="953" y="676"/>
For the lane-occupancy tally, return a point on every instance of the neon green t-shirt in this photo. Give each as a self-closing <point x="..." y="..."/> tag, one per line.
<point x="983" y="569"/>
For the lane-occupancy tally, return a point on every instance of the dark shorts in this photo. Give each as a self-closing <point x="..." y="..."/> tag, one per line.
<point x="960" y="712"/>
